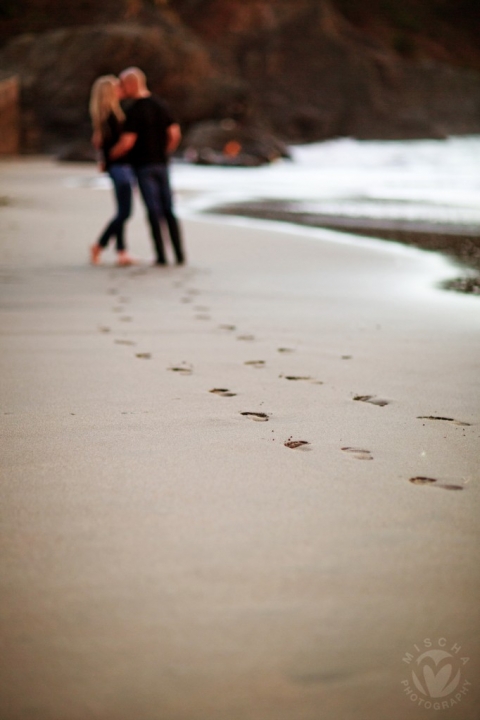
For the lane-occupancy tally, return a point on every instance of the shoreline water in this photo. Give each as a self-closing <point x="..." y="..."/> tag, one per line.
<point x="424" y="193"/>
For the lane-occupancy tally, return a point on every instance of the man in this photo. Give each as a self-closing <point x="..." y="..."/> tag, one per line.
<point x="151" y="135"/>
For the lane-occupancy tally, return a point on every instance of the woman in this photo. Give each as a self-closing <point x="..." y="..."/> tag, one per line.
<point x="107" y="118"/>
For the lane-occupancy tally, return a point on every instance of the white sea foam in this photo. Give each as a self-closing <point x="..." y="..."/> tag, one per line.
<point x="413" y="180"/>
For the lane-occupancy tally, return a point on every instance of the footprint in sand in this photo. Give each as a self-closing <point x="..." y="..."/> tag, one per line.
<point x="144" y="355"/>
<point x="255" y="363"/>
<point x="201" y="308"/>
<point x="193" y="291"/>
<point x="126" y="318"/>
<point x="112" y="291"/>
<point x="297" y="444"/>
<point x="347" y="357"/>
<point x="104" y="329"/>
<point x="125" y="342"/>
<point x="202" y="316"/>
<point x="182" y="369"/>
<point x="227" y="327"/>
<point x="118" y="309"/>
<point x="372" y="399"/>
<point x="420" y="480"/>
<point x="358" y="453"/>
<point x="443" y="419"/>
<point x="302" y="377"/>
<point x="285" y="350"/>
<point x="295" y="377"/>
<point x="247" y="338"/>
<point x="123" y="299"/>
<point x="223" y="392"/>
<point x="257" y="416"/>
<point x="186" y="300"/>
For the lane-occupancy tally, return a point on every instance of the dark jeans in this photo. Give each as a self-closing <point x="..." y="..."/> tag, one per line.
<point x="122" y="178"/>
<point x="154" y="185"/>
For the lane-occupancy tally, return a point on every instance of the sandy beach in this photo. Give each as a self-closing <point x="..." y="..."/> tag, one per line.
<point x="166" y="554"/>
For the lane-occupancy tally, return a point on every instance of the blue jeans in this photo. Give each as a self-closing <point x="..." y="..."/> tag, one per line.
<point x="154" y="185"/>
<point x="123" y="178"/>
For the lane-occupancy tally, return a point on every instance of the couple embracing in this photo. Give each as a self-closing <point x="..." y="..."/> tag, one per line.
<point x="136" y="141"/>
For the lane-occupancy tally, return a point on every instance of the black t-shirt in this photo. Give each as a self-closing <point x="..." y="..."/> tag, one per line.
<point x="149" y="119"/>
<point x="111" y="132"/>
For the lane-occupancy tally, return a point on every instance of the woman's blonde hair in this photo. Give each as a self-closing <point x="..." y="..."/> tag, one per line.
<point x="104" y="101"/>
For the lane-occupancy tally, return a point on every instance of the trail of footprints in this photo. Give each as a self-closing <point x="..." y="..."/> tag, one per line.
<point x="185" y="368"/>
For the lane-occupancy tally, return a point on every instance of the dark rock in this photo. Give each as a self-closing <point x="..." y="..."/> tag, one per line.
<point x="207" y="156"/>
<point x="228" y="142"/>
<point x="312" y="75"/>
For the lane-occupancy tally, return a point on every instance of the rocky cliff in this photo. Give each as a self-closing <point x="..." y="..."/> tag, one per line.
<point x="303" y="69"/>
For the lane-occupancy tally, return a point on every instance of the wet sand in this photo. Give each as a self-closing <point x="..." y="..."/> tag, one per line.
<point x="247" y="488"/>
<point x="461" y="243"/>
